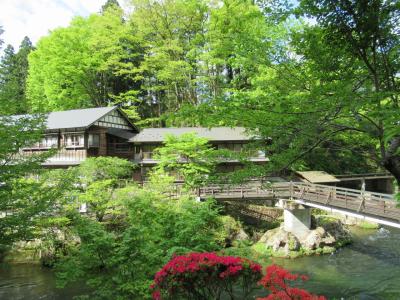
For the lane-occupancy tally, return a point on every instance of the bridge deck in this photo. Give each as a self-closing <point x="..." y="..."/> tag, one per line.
<point x="365" y="203"/>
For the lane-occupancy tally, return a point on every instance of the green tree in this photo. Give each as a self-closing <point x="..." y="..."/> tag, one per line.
<point x="82" y="65"/>
<point x="22" y="67"/>
<point x="173" y="36"/>
<point x="316" y="97"/>
<point x="8" y="81"/>
<point x="363" y="36"/>
<point x="103" y="168"/>
<point x="13" y="74"/>
<point x="119" y="261"/>
<point x="237" y="43"/>
<point x="109" y="4"/>
<point x="24" y="200"/>
<point x="100" y="177"/>
<point x="187" y="157"/>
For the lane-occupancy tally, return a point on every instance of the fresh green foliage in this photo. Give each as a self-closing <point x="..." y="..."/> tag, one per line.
<point x="103" y="168"/>
<point x="99" y="177"/>
<point x="23" y="199"/>
<point x="323" y="92"/>
<point x="119" y="261"/>
<point x="173" y="35"/>
<point x="187" y="157"/>
<point x="82" y="65"/>
<point x="357" y="64"/>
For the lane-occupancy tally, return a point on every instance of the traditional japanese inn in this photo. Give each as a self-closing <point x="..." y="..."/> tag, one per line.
<point x="106" y="131"/>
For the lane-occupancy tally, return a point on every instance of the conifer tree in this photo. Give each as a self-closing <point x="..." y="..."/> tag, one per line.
<point x="13" y="74"/>
<point x="21" y="69"/>
<point x="8" y="81"/>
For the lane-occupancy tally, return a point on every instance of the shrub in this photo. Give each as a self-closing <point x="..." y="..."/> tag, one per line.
<point x="205" y="276"/>
<point x="119" y="261"/>
<point x="276" y="281"/>
<point x="210" y="276"/>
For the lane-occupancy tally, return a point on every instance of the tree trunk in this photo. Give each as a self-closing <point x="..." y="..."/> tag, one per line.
<point x="392" y="164"/>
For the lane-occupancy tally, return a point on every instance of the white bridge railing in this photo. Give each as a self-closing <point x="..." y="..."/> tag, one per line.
<point x="369" y="203"/>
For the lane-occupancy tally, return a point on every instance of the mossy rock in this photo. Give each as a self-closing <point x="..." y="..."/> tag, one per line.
<point x="368" y="225"/>
<point x="322" y="220"/>
<point x="328" y="250"/>
<point x="260" y="248"/>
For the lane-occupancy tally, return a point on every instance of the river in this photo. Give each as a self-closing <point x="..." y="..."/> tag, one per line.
<point x="367" y="269"/>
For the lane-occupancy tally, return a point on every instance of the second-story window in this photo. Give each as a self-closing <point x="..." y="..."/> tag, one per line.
<point x="94" y="140"/>
<point x="74" y="140"/>
<point x="50" y="141"/>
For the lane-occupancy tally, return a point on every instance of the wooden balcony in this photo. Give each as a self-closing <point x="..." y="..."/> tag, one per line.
<point x="61" y="158"/>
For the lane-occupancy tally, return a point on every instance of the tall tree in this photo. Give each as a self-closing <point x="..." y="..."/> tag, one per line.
<point x="8" y="81"/>
<point x="364" y="37"/>
<point x="21" y="69"/>
<point x="173" y="35"/>
<point x="23" y="199"/>
<point x="82" y="65"/>
<point x="13" y="74"/>
<point x="312" y="97"/>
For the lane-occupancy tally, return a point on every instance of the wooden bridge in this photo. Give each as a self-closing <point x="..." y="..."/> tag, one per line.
<point x="375" y="207"/>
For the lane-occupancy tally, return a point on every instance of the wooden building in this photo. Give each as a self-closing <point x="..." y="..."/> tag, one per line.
<point x="233" y="139"/>
<point x="78" y="134"/>
<point x="106" y="131"/>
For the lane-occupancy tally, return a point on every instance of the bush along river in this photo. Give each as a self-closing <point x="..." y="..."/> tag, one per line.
<point x="369" y="268"/>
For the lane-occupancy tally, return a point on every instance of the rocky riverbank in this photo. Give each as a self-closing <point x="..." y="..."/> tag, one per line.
<point x="328" y="235"/>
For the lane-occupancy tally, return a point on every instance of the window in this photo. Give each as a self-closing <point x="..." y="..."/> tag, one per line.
<point x="237" y="147"/>
<point x="94" y="141"/>
<point x="74" y="140"/>
<point x="122" y="148"/>
<point x="50" y="141"/>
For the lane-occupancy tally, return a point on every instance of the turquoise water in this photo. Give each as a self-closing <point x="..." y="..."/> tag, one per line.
<point x="367" y="269"/>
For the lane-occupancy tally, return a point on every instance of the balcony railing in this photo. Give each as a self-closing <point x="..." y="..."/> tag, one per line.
<point x="60" y="156"/>
<point x="68" y="156"/>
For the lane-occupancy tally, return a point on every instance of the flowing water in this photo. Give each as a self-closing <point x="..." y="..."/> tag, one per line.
<point x="367" y="269"/>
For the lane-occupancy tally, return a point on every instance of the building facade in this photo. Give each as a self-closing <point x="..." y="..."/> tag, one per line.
<point x="106" y="131"/>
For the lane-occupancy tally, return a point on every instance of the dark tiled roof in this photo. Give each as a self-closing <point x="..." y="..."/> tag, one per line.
<point x="76" y="118"/>
<point x="121" y="133"/>
<point x="212" y="134"/>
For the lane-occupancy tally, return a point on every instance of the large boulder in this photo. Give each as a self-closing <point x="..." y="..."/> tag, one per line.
<point x="328" y="235"/>
<point x="233" y="231"/>
<point x="280" y="242"/>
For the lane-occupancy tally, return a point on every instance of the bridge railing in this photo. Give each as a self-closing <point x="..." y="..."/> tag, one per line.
<point x="376" y="204"/>
<point x="245" y="191"/>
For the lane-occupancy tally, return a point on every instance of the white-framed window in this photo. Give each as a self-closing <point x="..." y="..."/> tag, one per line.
<point x="94" y="140"/>
<point x="50" y="141"/>
<point x="74" y="140"/>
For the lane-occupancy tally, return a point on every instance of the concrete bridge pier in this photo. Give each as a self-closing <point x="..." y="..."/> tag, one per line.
<point x="297" y="218"/>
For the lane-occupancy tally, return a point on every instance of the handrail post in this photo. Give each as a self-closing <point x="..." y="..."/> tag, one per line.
<point x="291" y="190"/>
